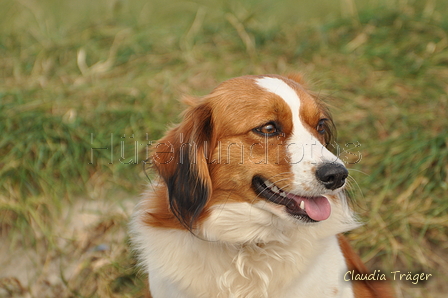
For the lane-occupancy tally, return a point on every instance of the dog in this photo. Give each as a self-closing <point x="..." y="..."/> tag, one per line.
<point x="249" y="203"/>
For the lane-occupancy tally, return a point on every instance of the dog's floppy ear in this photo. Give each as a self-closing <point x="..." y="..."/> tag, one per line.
<point x="181" y="160"/>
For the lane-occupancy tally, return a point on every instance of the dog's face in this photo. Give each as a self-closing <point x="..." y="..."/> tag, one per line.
<point x="253" y="150"/>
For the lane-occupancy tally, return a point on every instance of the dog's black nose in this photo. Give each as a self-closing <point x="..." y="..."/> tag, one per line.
<point x="331" y="175"/>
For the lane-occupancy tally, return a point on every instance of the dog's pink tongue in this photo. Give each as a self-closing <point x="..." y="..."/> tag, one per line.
<point x="317" y="208"/>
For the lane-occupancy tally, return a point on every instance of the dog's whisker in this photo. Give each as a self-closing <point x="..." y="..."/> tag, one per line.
<point x="356" y="170"/>
<point x="270" y="185"/>
<point x="352" y="182"/>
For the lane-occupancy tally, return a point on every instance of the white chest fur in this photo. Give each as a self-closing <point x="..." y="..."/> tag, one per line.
<point x="295" y="265"/>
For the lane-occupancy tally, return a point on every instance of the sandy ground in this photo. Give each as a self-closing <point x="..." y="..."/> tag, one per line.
<point x="90" y="231"/>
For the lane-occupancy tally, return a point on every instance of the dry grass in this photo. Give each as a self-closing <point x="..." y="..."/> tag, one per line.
<point x="119" y="69"/>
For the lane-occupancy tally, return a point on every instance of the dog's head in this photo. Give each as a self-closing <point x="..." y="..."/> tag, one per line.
<point x="254" y="150"/>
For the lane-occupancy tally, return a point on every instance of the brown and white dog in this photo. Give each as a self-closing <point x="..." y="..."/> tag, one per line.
<point x="250" y="202"/>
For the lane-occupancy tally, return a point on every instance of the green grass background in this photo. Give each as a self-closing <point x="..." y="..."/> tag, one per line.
<point x="77" y="75"/>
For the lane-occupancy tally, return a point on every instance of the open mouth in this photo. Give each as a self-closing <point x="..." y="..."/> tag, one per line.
<point x="306" y="209"/>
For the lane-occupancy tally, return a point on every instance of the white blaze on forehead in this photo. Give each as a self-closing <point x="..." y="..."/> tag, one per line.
<point x="292" y="99"/>
<point x="305" y="149"/>
<point x="280" y="88"/>
<point x="300" y="134"/>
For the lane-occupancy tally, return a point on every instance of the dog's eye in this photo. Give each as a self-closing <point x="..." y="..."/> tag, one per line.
<point x="268" y="129"/>
<point x="322" y="126"/>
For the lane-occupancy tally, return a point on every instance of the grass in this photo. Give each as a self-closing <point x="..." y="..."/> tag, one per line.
<point x="109" y="75"/>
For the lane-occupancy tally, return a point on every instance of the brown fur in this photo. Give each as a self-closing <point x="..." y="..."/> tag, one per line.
<point x="364" y="288"/>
